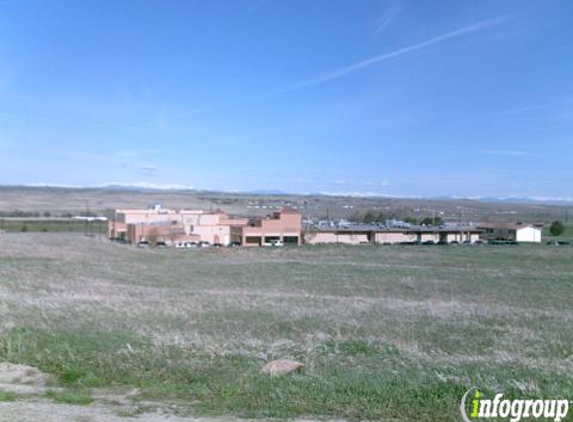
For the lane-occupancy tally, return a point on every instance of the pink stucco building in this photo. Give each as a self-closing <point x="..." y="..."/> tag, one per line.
<point x="173" y="226"/>
<point x="169" y="234"/>
<point x="285" y="225"/>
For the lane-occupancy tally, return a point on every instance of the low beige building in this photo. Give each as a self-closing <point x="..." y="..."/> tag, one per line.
<point x="334" y="236"/>
<point x="364" y="234"/>
<point x="394" y="237"/>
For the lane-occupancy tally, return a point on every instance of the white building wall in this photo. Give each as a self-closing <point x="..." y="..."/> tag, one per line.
<point x="528" y="234"/>
<point x="425" y="237"/>
<point x="330" y="237"/>
<point x="462" y="237"/>
<point x="394" y="237"/>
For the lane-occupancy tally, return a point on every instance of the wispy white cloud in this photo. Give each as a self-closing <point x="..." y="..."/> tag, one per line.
<point x="535" y="107"/>
<point x="329" y="76"/>
<point x="389" y="15"/>
<point x="508" y="152"/>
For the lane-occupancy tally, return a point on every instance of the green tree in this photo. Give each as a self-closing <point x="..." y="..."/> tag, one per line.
<point x="557" y="228"/>
<point x="411" y="220"/>
<point x="369" y="218"/>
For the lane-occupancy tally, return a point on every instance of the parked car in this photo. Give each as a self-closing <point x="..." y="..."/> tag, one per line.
<point x="558" y="242"/>
<point x="276" y="242"/>
<point x="503" y="242"/>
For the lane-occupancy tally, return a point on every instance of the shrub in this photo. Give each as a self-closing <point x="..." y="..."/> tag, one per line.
<point x="557" y="228"/>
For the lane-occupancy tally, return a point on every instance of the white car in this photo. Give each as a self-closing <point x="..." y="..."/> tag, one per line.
<point x="277" y="242"/>
<point x="185" y="245"/>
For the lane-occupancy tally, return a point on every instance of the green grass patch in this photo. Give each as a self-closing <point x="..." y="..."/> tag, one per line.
<point x="47" y="226"/>
<point x="81" y="357"/>
<point x="7" y="396"/>
<point x="80" y="398"/>
<point x="355" y="378"/>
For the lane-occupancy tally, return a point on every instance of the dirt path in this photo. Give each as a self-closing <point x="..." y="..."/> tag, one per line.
<point x="28" y="403"/>
<point x="28" y="387"/>
<point x="41" y="410"/>
<point x="47" y="411"/>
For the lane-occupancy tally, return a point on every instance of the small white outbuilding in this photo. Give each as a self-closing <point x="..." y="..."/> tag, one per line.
<point x="518" y="232"/>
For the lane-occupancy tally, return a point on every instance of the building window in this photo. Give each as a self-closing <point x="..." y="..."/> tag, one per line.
<point x="290" y="239"/>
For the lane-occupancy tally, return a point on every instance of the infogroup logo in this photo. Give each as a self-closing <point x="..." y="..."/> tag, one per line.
<point x="474" y="406"/>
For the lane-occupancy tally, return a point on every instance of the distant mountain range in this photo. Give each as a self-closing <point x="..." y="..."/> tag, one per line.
<point x="267" y="192"/>
<point x="143" y="186"/>
<point x="528" y="200"/>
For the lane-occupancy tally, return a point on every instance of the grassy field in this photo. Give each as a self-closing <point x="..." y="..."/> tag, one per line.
<point x="386" y="332"/>
<point x="15" y="225"/>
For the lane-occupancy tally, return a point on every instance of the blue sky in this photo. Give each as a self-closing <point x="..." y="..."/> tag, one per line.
<point x="393" y="97"/>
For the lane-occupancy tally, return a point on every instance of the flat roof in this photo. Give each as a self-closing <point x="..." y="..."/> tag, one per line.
<point x="413" y="229"/>
<point x="509" y="226"/>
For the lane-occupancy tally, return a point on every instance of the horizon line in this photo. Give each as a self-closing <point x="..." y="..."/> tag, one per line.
<point x="277" y="192"/>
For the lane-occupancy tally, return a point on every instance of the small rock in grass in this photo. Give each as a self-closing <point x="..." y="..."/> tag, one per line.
<point x="21" y="374"/>
<point x="281" y="367"/>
